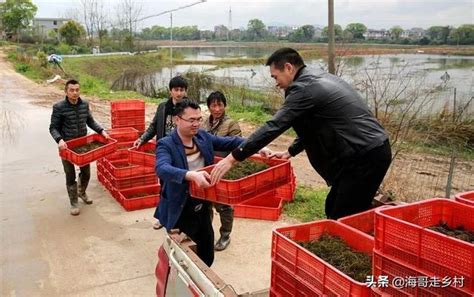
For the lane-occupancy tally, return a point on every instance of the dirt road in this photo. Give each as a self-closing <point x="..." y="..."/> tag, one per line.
<point x="103" y="252"/>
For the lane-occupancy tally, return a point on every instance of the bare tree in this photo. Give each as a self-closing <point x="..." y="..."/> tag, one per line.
<point x="397" y="97"/>
<point x="99" y="19"/>
<point x="128" y="14"/>
<point x="86" y="12"/>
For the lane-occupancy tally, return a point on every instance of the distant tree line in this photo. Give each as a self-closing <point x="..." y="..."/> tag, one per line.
<point x="93" y="25"/>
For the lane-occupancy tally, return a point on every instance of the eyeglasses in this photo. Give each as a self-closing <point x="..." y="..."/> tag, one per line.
<point x="192" y="121"/>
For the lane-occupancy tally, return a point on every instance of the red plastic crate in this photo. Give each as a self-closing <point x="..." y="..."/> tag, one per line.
<point x="134" y="181"/>
<point x="466" y="198"/>
<point x="287" y="191"/>
<point x="100" y="177"/>
<point x="363" y="221"/>
<point x="118" y="155"/>
<point x="119" y="105"/>
<point x="311" y="270"/>
<point x="393" y="268"/>
<point x="140" y="113"/>
<point x="266" y="206"/>
<point x="284" y="283"/>
<point x="139" y="127"/>
<point x="401" y="232"/>
<point x="127" y="121"/>
<point x="123" y="134"/>
<point x="123" y="169"/>
<point x="125" y="145"/>
<point x="237" y="191"/>
<point x="140" y="156"/>
<point x="91" y="156"/>
<point x="149" y="200"/>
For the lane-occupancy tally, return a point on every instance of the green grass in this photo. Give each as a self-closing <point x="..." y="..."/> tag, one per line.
<point x="252" y="114"/>
<point x="308" y="204"/>
<point x="90" y="85"/>
<point x="109" y="68"/>
<point x="465" y="153"/>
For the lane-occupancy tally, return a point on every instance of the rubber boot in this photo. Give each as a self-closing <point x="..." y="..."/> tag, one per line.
<point x="81" y="190"/>
<point x="226" y="214"/>
<point x="72" y="192"/>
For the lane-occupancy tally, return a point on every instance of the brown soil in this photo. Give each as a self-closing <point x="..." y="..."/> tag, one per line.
<point x="87" y="148"/>
<point x="245" y="168"/>
<point x="458" y="232"/>
<point x="336" y="252"/>
<point x="150" y="152"/>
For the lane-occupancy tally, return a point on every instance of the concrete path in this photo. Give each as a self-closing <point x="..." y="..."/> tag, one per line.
<point x="105" y="251"/>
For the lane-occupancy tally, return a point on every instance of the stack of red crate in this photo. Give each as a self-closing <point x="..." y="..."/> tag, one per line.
<point x="298" y="272"/>
<point x="125" y="137"/>
<point x="132" y="182"/>
<point x="257" y="196"/>
<point x="128" y="113"/>
<point x="405" y="247"/>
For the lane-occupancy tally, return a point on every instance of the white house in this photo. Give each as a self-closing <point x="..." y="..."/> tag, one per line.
<point x="44" y="25"/>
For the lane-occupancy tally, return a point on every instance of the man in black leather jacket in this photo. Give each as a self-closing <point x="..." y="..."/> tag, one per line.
<point x="69" y="120"/>
<point x="162" y="123"/>
<point x="344" y="142"/>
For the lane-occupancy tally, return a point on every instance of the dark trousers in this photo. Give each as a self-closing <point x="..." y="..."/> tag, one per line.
<point x="354" y="189"/>
<point x="70" y="171"/>
<point x="226" y="215"/>
<point x="197" y="225"/>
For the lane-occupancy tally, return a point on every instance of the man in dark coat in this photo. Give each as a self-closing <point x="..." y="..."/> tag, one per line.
<point x="344" y="142"/>
<point x="69" y="120"/>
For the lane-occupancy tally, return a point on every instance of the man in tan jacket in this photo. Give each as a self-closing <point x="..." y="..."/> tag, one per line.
<point x="218" y="123"/>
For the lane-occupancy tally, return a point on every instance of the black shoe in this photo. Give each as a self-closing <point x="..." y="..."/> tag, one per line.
<point x="222" y="243"/>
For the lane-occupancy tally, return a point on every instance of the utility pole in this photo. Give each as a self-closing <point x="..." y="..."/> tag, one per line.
<point x="229" y="25"/>
<point x="331" y="39"/>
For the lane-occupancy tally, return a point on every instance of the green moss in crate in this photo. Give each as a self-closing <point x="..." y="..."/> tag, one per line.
<point x="87" y="147"/>
<point x="336" y="252"/>
<point x="245" y="168"/>
<point x="458" y="232"/>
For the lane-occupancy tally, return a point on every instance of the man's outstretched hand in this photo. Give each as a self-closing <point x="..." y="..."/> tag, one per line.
<point x="280" y="155"/>
<point x="221" y="168"/>
<point x="201" y="178"/>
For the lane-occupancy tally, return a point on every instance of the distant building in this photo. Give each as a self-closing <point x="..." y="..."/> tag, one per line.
<point x="281" y="31"/>
<point x="44" y="25"/>
<point x="413" y="33"/>
<point x="377" y="34"/>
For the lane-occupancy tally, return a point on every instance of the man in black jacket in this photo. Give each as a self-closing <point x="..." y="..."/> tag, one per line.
<point x="344" y="142"/>
<point x="162" y="123"/>
<point x="69" y="120"/>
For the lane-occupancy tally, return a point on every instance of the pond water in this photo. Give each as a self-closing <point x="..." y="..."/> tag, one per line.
<point x="439" y="74"/>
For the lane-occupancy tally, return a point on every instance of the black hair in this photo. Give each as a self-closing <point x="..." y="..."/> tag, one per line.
<point x="216" y="96"/>
<point x="178" y="82"/>
<point x="183" y="104"/>
<point x="285" y="55"/>
<point x="71" y="82"/>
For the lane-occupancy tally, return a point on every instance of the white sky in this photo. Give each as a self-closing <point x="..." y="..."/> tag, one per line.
<point x="374" y="14"/>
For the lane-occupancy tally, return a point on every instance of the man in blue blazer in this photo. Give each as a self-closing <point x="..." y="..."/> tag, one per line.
<point x="178" y="156"/>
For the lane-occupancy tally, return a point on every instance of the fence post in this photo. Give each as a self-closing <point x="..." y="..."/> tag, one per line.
<point x="449" y="182"/>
